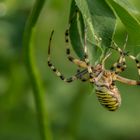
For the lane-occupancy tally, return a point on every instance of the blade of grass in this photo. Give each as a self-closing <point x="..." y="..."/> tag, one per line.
<point x="34" y="75"/>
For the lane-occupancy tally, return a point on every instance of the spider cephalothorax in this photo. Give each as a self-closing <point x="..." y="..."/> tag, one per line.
<point x="103" y="80"/>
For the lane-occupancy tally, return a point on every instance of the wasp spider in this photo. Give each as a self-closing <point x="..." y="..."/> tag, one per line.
<point x="103" y="79"/>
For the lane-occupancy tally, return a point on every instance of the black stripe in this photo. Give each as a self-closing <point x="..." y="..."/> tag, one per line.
<point x="138" y="82"/>
<point x="123" y="63"/>
<point x="138" y="66"/>
<point x="66" y="33"/>
<point x="137" y="61"/>
<point x="122" y="69"/>
<point x="49" y="64"/>
<point x="100" y="91"/>
<point x="54" y="69"/>
<point x="69" y="79"/>
<point x="68" y="51"/>
<point x="62" y="77"/>
<point x="90" y="76"/>
<point x="85" y="56"/>
<point x="113" y="83"/>
<point x="100" y="86"/>
<point x="67" y="40"/>
<point x="116" y="72"/>
<point x="112" y="68"/>
<point x="111" y="107"/>
<point x="119" y="65"/>
<point x="84" y="80"/>
<point x="110" y="104"/>
<point x="104" y="99"/>
<point x="70" y="58"/>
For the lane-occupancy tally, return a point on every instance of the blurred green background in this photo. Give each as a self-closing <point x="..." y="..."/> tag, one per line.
<point x="74" y="111"/>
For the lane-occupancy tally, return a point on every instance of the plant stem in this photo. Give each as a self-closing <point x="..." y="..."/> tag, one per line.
<point x="38" y="90"/>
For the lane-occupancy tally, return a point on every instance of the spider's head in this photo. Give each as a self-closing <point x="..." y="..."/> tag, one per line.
<point x="97" y="69"/>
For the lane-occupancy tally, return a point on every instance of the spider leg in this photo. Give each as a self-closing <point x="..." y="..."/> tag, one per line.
<point x="78" y="62"/>
<point x="83" y="64"/>
<point x="78" y="75"/>
<point x="120" y="65"/>
<point x="137" y="63"/>
<point x="81" y="74"/>
<point x="127" y="81"/>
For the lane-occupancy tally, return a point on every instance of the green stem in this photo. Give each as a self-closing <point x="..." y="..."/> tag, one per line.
<point x="29" y="57"/>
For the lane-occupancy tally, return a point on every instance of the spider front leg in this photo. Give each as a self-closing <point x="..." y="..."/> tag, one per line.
<point x="83" y="64"/>
<point x="78" y="75"/>
<point x="120" y="65"/>
<point x="78" y="62"/>
<point x="130" y="81"/>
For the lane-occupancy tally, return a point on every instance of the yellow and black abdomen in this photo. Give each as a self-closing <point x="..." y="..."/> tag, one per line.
<point x="108" y="97"/>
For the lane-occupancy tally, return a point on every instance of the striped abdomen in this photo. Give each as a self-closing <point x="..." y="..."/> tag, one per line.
<point x="108" y="97"/>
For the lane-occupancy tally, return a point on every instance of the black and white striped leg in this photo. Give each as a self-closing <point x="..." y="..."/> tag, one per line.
<point x="53" y="68"/>
<point x="78" y="75"/>
<point x="120" y="65"/>
<point x="78" y="62"/>
<point x="137" y="63"/>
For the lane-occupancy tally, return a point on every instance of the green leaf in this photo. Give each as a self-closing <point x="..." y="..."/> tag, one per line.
<point x="99" y="19"/>
<point x="76" y="30"/>
<point x="130" y="22"/>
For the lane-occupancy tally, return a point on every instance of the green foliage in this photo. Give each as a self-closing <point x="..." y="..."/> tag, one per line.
<point x="76" y="30"/>
<point x="131" y="24"/>
<point x="74" y="113"/>
<point x="99" y="20"/>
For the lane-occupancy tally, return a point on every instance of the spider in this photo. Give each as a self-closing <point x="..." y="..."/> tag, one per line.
<point x="103" y="79"/>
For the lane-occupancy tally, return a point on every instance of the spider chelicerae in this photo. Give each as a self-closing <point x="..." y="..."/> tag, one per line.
<point x="103" y="79"/>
